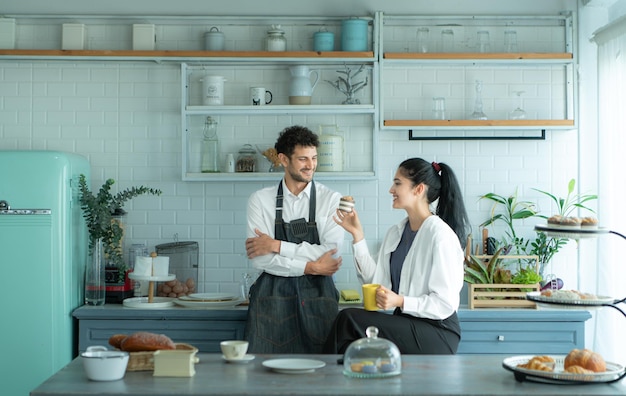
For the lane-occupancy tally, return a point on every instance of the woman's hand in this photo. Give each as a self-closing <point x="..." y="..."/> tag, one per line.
<point x="350" y="222"/>
<point x="387" y="300"/>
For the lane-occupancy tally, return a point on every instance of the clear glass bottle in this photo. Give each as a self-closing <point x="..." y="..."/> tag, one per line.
<point x="275" y="40"/>
<point x="210" y="147"/>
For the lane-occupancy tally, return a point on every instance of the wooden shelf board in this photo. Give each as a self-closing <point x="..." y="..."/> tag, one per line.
<point x="477" y="55"/>
<point x="478" y="123"/>
<point x="187" y="54"/>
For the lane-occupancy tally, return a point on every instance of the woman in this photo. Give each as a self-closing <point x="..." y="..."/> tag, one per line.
<point x="419" y="266"/>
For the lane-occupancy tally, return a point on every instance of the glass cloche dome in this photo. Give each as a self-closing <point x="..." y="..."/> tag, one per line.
<point x="372" y="357"/>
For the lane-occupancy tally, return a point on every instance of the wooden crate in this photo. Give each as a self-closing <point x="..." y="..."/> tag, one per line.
<point x="500" y="295"/>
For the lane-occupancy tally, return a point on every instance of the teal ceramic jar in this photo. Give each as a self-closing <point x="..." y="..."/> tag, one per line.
<point x="323" y="41"/>
<point x="354" y="35"/>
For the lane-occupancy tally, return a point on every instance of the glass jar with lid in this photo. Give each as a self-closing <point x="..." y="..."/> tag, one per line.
<point x="246" y="159"/>
<point x="372" y="357"/>
<point x="275" y="40"/>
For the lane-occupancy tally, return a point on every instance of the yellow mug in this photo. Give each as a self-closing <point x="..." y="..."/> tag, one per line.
<point x="369" y="296"/>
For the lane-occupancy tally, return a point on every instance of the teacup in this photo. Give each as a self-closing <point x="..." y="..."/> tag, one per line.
<point x="234" y="349"/>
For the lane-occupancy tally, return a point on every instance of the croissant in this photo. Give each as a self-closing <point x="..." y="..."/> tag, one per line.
<point x="539" y="363"/>
<point x="577" y="370"/>
<point x="586" y="359"/>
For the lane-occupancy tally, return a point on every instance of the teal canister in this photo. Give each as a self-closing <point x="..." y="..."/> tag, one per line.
<point x="323" y="41"/>
<point x="354" y="34"/>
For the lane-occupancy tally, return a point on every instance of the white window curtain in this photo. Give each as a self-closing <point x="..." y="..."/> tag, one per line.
<point x="609" y="325"/>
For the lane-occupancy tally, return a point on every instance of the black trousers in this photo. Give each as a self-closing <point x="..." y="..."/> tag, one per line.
<point x="410" y="334"/>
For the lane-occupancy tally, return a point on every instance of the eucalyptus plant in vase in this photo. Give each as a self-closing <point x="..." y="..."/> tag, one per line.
<point x="101" y="212"/>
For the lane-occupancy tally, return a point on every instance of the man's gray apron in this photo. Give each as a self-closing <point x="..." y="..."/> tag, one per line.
<point x="291" y="314"/>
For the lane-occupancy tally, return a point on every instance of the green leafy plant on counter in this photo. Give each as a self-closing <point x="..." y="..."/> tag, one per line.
<point x="494" y="270"/>
<point x="510" y="210"/>
<point x="100" y="212"/>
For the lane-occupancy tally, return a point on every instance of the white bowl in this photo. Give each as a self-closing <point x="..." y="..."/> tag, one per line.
<point x="103" y="365"/>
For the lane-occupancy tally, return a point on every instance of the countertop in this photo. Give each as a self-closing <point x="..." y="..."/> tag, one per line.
<point x="421" y="375"/>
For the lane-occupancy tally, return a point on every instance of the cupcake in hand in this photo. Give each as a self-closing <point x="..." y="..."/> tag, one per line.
<point x="346" y="203"/>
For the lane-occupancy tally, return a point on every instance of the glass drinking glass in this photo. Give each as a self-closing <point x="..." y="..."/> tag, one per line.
<point x="447" y="40"/>
<point x="518" y="113"/>
<point x="510" y="41"/>
<point x="422" y="39"/>
<point x="483" y="41"/>
<point x="439" y="108"/>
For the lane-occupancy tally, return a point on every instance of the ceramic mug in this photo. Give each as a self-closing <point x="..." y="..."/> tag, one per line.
<point x="369" y="296"/>
<point x="234" y="349"/>
<point x="259" y="96"/>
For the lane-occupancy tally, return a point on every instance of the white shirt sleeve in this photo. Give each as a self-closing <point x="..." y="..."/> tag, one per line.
<point x="293" y="257"/>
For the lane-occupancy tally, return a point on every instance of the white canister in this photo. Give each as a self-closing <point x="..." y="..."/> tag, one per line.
<point x="330" y="154"/>
<point x="214" y="40"/>
<point x="213" y="90"/>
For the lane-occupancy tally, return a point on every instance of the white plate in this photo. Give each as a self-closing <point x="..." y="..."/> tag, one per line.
<point x="191" y="303"/>
<point x="212" y="297"/>
<point x="142" y="302"/>
<point x="158" y="278"/>
<point x="613" y="371"/>
<point x="243" y="360"/>
<point x="571" y="232"/>
<point x="580" y="303"/>
<point x="293" y="366"/>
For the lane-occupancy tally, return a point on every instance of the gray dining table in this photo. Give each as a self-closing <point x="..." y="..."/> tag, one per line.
<point x="421" y="375"/>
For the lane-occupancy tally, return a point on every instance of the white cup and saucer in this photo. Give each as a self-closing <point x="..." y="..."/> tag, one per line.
<point x="234" y="351"/>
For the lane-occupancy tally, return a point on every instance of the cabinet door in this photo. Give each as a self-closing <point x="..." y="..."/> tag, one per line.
<point x="523" y="338"/>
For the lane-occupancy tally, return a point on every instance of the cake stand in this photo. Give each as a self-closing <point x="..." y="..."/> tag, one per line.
<point x="151" y="301"/>
<point x="618" y="375"/>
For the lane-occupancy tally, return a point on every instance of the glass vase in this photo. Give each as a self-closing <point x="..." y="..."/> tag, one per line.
<point x="95" y="287"/>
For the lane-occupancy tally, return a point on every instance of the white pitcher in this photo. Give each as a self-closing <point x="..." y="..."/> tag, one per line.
<point x="301" y="87"/>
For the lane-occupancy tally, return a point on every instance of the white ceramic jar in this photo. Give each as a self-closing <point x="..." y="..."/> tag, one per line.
<point x="275" y="40"/>
<point x="214" y="40"/>
<point x="213" y="90"/>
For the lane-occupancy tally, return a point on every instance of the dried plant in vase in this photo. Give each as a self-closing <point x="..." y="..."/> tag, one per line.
<point x="346" y="86"/>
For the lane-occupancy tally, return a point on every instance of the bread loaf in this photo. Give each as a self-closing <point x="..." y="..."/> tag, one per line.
<point x="143" y="341"/>
<point x="586" y="359"/>
<point x="116" y="340"/>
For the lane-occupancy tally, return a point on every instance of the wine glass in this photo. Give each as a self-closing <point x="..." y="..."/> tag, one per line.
<point x="518" y="113"/>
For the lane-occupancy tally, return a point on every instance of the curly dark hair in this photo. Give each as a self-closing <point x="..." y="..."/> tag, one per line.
<point x="293" y="136"/>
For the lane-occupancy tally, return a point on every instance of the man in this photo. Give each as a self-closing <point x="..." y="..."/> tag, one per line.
<point x="293" y="239"/>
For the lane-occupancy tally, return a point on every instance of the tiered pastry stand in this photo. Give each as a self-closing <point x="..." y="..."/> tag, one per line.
<point x="150" y="302"/>
<point x="573" y="233"/>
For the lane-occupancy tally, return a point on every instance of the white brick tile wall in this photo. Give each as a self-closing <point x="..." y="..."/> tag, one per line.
<point x="125" y="118"/>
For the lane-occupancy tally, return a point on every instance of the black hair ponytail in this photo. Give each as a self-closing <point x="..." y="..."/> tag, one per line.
<point x="443" y="185"/>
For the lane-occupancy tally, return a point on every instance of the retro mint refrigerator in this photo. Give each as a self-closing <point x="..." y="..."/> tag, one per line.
<point x="43" y="250"/>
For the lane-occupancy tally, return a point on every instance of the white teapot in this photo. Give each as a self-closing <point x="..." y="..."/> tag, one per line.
<point x="301" y="87"/>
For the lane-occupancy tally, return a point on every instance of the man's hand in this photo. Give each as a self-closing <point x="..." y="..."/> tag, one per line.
<point x="325" y="265"/>
<point x="261" y="245"/>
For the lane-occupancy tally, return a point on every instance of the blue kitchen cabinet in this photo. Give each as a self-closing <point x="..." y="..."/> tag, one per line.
<point x="485" y="331"/>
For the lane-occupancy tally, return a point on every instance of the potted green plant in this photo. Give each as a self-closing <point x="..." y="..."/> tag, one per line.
<point x="100" y="212"/>
<point x="509" y="210"/>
